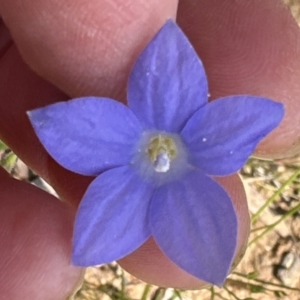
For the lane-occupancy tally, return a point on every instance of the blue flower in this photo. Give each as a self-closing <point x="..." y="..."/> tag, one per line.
<point x="154" y="160"/>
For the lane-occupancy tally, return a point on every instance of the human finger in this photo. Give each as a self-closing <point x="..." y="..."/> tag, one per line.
<point x="89" y="46"/>
<point x="250" y="47"/>
<point x="36" y="231"/>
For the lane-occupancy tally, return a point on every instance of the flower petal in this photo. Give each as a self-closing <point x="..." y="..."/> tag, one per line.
<point x="194" y="223"/>
<point x="168" y="82"/>
<point x="223" y="134"/>
<point x="112" y="218"/>
<point x="87" y="135"/>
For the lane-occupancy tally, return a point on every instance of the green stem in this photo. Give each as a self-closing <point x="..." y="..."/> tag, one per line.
<point x="274" y="196"/>
<point x="231" y="293"/>
<point x="220" y="296"/>
<point x="259" y="228"/>
<point x="272" y="226"/>
<point x="146" y="292"/>
<point x="123" y="283"/>
<point x="2" y="146"/>
<point x="212" y="296"/>
<point x="267" y="282"/>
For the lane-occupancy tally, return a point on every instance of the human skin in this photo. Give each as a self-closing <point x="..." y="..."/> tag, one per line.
<point x="61" y="49"/>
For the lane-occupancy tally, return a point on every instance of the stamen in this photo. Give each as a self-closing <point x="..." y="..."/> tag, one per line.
<point x="161" y="151"/>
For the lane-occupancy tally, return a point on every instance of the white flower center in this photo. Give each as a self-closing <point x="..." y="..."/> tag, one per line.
<point x="160" y="157"/>
<point x="161" y="151"/>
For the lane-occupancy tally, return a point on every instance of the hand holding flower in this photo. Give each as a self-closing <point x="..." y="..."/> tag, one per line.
<point x="154" y="161"/>
<point x="55" y="43"/>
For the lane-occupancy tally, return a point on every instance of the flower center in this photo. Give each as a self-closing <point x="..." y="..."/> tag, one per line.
<point x="160" y="157"/>
<point x="161" y="151"/>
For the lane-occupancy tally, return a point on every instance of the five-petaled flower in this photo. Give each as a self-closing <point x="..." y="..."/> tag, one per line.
<point x="154" y="160"/>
